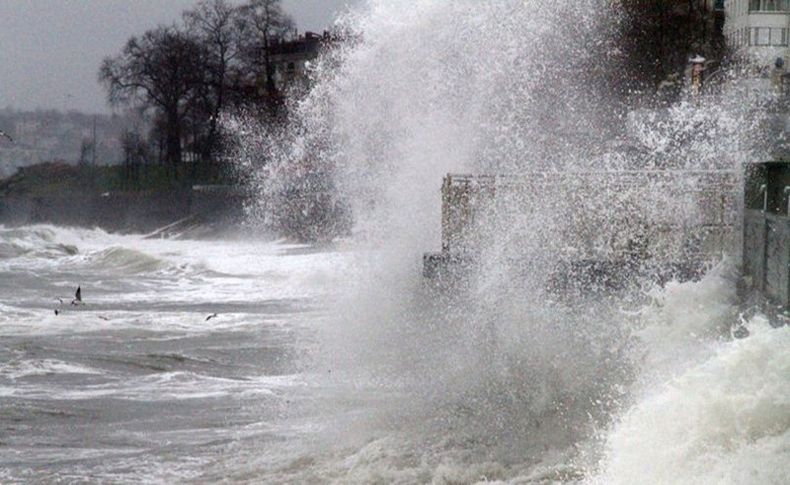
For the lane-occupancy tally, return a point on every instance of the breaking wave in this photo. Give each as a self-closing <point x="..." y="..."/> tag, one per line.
<point x="36" y="242"/>
<point x="724" y="420"/>
<point x="502" y="378"/>
<point x="124" y="260"/>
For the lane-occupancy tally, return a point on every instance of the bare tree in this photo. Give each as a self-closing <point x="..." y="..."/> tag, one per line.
<point x="263" y="23"/>
<point x="215" y="25"/>
<point x="158" y="70"/>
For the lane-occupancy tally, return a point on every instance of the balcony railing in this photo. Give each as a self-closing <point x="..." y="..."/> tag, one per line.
<point x="769" y="5"/>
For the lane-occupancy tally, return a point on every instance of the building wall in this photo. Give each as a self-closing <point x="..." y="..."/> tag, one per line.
<point x="758" y="30"/>
<point x="290" y="60"/>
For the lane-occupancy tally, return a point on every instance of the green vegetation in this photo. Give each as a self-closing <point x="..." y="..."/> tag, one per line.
<point x="61" y="178"/>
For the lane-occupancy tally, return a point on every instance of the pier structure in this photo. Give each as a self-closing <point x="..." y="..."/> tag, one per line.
<point x="668" y="222"/>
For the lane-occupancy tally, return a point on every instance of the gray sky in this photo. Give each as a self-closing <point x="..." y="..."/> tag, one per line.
<point x="50" y="50"/>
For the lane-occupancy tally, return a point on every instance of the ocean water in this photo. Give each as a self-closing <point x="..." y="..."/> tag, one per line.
<point x="137" y="386"/>
<point x="500" y="379"/>
<point x="339" y="363"/>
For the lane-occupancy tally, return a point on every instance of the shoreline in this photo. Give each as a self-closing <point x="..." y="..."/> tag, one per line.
<point x="139" y="212"/>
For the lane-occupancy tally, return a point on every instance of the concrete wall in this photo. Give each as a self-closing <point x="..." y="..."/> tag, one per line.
<point x="777" y="252"/>
<point x="766" y="231"/>
<point x="16" y="210"/>
<point x="766" y="255"/>
<point x="754" y="248"/>
<point x="216" y="199"/>
<point x="122" y="211"/>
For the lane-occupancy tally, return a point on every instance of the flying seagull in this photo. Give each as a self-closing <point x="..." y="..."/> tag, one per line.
<point x="4" y="134"/>
<point x="77" y="297"/>
<point x="211" y="316"/>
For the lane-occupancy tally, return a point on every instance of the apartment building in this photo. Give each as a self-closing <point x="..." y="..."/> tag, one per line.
<point x="757" y="30"/>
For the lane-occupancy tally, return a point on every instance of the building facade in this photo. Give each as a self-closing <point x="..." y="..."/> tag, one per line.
<point x="291" y="58"/>
<point x="757" y="30"/>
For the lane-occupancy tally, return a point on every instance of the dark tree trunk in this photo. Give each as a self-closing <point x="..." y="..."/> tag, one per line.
<point x="173" y="141"/>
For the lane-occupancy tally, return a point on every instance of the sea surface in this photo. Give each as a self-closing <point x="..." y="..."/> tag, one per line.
<point x="139" y="385"/>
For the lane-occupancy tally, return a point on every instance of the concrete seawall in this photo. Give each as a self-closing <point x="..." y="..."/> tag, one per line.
<point x="766" y="236"/>
<point x="124" y="211"/>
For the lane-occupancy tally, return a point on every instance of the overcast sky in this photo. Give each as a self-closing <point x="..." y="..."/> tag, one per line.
<point x="50" y="50"/>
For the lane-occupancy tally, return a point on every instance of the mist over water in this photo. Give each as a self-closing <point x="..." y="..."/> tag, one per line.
<point x="500" y="378"/>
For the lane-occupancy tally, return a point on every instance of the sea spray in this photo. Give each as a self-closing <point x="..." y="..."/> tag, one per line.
<point x="500" y="373"/>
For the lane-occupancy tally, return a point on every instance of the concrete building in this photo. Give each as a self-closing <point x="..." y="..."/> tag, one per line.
<point x="291" y="59"/>
<point x="757" y="30"/>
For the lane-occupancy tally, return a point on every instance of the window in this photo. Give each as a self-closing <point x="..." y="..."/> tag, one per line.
<point x="769" y="5"/>
<point x="762" y="36"/>
<point x="778" y="37"/>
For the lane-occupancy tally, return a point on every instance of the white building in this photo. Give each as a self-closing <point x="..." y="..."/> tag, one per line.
<point x="758" y="30"/>
<point x="291" y="59"/>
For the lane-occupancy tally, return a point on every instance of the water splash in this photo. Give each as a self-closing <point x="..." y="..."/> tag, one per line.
<point x="499" y="375"/>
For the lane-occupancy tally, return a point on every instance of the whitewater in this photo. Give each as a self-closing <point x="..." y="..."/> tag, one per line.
<point x="136" y="386"/>
<point x="337" y="362"/>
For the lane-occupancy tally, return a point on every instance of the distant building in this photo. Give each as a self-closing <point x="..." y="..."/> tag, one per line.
<point x="41" y="136"/>
<point x="757" y="30"/>
<point x="291" y="58"/>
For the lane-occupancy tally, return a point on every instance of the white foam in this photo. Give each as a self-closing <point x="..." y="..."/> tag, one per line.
<point x="684" y="321"/>
<point x="164" y="386"/>
<point x="17" y="369"/>
<point x="726" y="420"/>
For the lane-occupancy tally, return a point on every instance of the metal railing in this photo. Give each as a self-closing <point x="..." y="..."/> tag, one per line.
<point x="613" y="200"/>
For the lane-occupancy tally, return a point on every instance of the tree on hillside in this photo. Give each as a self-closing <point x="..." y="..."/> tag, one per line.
<point x="216" y="27"/>
<point x="186" y="77"/>
<point x="263" y="23"/>
<point x="658" y="36"/>
<point x="158" y="70"/>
